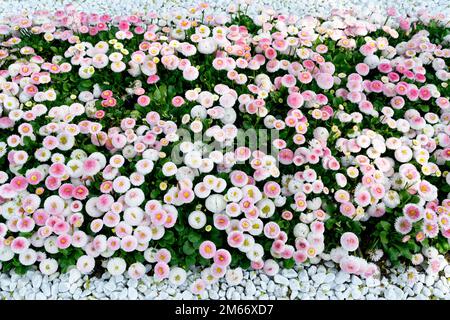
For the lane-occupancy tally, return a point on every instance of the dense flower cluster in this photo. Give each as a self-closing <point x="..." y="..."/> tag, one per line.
<point x="119" y="142"/>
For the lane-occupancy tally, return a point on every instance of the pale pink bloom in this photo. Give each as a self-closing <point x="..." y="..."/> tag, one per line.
<point x="295" y="100"/>
<point x="63" y="241"/>
<point x="128" y="243"/>
<point x="222" y="257"/>
<point x="413" y="212"/>
<point x="349" y="241"/>
<point x="90" y="167"/>
<point x="271" y="230"/>
<point x="235" y="239"/>
<point x="113" y="243"/>
<point x="363" y="69"/>
<point x="349" y="264"/>
<point x="161" y="270"/>
<point x="34" y="177"/>
<point x="111" y="219"/>
<point x="288" y="252"/>
<point x="19" y="183"/>
<point x="136" y="270"/>
<point x="391" y="11"/>
<point x="238" y="178"/>
<point x="66" y="190"/>
<point x="177" y="101"/>
<point x="163" y="255"/>
<point x="272" y="189"/>
<point x="60" y="227"/>
<point x="403" y="225"/>
<point x="300" y="257"/>
<point x="221" y="221"/>
<point x="271" y="267"/>
<point x="96" y="225"/>
<point x="123" y="229"/>
<point x="218" y="271"/>
<point x="25" y="224"/>
<point x="257" y="265"/>
<point x="317" y="227"/>
<point x="207" y="249"/>
<point x="347" y="209"/>
<point x="80" y="192"/>
<point x="190" y="73"/>
<point x="278" y="246"/>
<point x="324" y="80"/>
<point x="19" y="245"/>
<point x="198" y="287"/>
<point x="143" y="101"/>
<point x="159" y="217"/>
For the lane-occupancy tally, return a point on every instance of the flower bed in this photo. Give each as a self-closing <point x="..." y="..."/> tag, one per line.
<point x="223" y="141"/>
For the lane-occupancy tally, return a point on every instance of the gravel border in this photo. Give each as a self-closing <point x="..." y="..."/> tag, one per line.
<point x="308" y="282"/>
<point x="322" y="282"/>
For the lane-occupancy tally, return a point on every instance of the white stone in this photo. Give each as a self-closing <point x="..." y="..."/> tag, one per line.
<point x="36" y="280"/>
<point x="391" y="294"/>
<point x="46" y="289"/>
<point x="426" y="292"/>
<point x="319" y="278"/>
<point x="356" y="293"/>
<point x="263" y="286"/>
<point x="132" y="283"/>
<point x="213" y="295"/>
<point x="110" y="286"/>
<point x="289" y="273"/>
<point x="74" y="275"/>
<point x="342" y="277"/>
<point x="123" y="295"/>
<point x="281" y="280"/>
<point x="186" y="295"/>
<point x="264" y="278"/>
<point x="372" y="282"/>
<point x="356" y="280"/>
<point x="132" y="293"/>
<point x="329" y="278"/>
<point x="294" y="284"/>
<point x="447" y="271"/>
<point x="418" y="288"/>
<point x="250" y="289"/>
<point x="40" y="296"/>
<point x="429" y="281"/>
<point x="271" y="286"/>
<point x="312" y="270"/>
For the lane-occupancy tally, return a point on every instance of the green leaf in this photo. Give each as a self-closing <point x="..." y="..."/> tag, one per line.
<point x="404" y="251"/>
<point x="154" y="194"/>
<point x="85" y="84"/>
<point x="157" y="95"/>
<point x="424" y="108"/>
<point x="385" y="225"/>
<point x="289" y="264"/>
<point x="393" y="254"/>
<point x="188" y="249"/>
<point x="163" y="90"/>
<point x="244" y="264"/>
<point x="330" y="208"/>
<point x="194" y="237"/>
<point x="383" y="237"/>
<point x="190" y="261"/>
<point x="90" y="148"/>
<point x="172" y="91"/>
